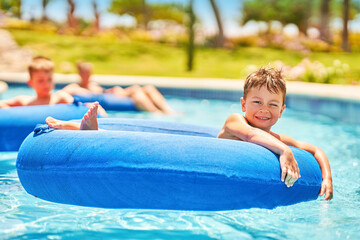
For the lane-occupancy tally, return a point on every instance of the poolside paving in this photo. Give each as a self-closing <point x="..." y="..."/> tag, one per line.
<point x="350" y="92"/>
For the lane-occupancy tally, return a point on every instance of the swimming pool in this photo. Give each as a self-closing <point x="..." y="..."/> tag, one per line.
<point x="24" y="217"/>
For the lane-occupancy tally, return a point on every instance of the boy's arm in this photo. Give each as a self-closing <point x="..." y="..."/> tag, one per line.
<point x="3" y="104"/>
<point x="320" y="156"/>
<point x="16" y="101"/>
<point x="96" y="88"/>
<point x="236" y="125"/>
<point x="61" y="97"/>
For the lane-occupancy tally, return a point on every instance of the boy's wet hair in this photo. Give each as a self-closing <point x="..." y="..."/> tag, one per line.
<point x="269" y="77"/>
<point x="40" y="63"/>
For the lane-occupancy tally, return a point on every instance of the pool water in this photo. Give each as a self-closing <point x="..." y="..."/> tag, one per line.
<point x="23" y="216"/>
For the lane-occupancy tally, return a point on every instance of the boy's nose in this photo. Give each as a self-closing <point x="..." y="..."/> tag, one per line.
<point x="264" y="110"/>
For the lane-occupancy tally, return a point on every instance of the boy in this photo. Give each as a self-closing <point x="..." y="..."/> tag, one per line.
<point x="40" y="71"/>
<point x="263" y="103"/>
<point x="146" y="98"/>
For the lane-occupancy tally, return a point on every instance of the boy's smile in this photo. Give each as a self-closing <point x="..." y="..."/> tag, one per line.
<point x="262" y="108"/>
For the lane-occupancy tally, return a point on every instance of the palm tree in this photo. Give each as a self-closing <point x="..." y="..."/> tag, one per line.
<point x="345" y="33"/>
<point x="97" y="16"/>
<point x="18" y="14"/>
<point x="190" y="62"/>
<point x="220" y="38"/>
<point x="44" y="4"/>
<point x="72" y="23"/>
<point x="136" y="8"/>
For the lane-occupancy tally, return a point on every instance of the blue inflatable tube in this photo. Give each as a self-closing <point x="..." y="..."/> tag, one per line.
<point x="158" y="165"/>
<point x="17" y="122"/>
<point x="108" y="101"/>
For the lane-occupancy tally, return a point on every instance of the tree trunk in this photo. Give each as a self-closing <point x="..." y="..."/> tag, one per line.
<point x="345" y="33"/>
<point x="324" y="21"/>
<point x="18" y="14"/>
<point x="44" y="4"/>
<point x="304" y="24"/>
<point x="221" y="38"/>
<point x="145" y="13"/>
<point x="97" y="16"/>
<point x="190" y="62"/>
<point x="71" y="18"/>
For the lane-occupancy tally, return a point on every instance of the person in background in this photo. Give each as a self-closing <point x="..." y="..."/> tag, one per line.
<point x="41" y="80"/>
<point x="146" y="98"/>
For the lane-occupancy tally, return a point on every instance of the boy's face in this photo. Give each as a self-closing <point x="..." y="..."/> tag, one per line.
<point x="85" y="75"/>
<point x="262" y="108"/>
<point x="41" y="81"/>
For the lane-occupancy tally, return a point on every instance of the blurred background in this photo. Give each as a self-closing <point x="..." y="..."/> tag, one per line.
<point x="311" y="40"/>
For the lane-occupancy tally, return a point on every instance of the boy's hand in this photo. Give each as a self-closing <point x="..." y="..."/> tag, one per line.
<point x="327" y="188"/>
<point x="289" y="168"/>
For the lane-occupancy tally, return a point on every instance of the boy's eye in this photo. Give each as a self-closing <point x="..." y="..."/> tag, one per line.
<point x="257" y="102"/>
<point x="273" y="105"/>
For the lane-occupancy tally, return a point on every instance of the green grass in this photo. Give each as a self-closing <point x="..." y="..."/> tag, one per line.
<point x="114" y="56"/>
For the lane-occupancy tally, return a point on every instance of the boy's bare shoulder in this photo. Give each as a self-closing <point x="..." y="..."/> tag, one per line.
<point x="235" y="117"/>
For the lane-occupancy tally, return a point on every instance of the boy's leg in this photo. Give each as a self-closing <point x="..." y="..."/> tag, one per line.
<point x="88" y="122"/>
<point x="117" y="91"/>
<point x="62" y="125"/>
<point x="141" y="99"/>
<point x="158" y="99"/>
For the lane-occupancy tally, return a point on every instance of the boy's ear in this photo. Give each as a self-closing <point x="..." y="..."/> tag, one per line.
<point x="29" y="82"/>
<point x="282" y="110"/>
<point x="243" y="101"/>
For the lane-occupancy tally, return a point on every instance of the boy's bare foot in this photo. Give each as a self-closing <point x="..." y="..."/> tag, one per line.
<point x="101" y="111"/>
<point x="61" y="125"/>
<point x="89" y="121"/>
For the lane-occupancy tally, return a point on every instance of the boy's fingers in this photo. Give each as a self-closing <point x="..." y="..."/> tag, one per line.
<point x="288" y="180"/>
<point x="283" y="174"/>
<point x="328" y="196"/>
<point x="322" y="190"/>
<point x="292" y="181"/>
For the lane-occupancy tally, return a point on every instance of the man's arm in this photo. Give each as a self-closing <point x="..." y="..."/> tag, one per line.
<point x="320" y="156"/>
<point x="236" y="125"/>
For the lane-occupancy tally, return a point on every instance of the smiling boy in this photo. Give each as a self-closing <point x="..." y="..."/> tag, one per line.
<point x="263" y="103"/>
<point x="41" y="72"/>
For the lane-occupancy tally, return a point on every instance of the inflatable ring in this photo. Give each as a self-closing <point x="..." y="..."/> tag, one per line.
<point x="158" y="165"/>
<point x="17" y="122"/>
<point x="108" y="101"/>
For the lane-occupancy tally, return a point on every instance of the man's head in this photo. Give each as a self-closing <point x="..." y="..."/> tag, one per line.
<point x="40" y="71"/>
<point x="84" y="69"/>
<point x="264" y="98"/>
